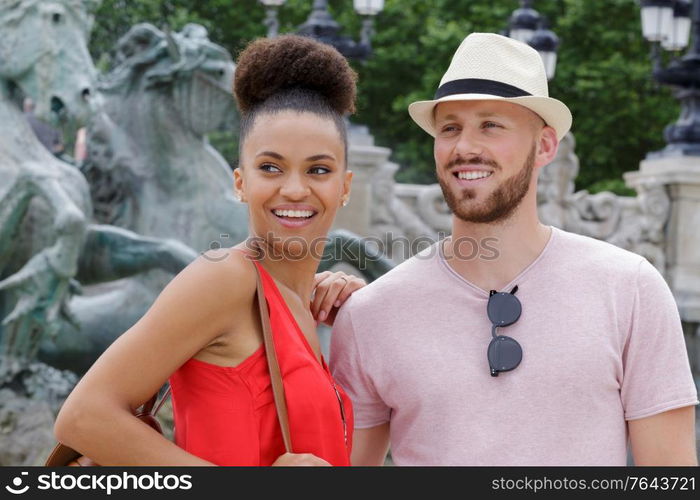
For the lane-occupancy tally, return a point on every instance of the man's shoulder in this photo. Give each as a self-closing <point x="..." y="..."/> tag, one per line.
<point x="404" y="280"/>
<point x="589" y="254"/>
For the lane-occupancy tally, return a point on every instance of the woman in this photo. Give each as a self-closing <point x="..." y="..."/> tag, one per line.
<point x="204" y="333"/>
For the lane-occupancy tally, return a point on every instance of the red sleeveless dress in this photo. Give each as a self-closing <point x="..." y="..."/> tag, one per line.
<point x="227" y="415"/>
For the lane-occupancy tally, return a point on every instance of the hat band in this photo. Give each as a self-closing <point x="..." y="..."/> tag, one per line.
<point x="479" y="86"/>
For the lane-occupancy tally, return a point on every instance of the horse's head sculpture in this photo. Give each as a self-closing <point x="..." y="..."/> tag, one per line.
<point x="186" y="67"/>
<point x="43" y="51"/>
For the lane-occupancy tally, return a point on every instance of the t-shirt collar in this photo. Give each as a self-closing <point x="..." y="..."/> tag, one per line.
<point x="517" y="280"/>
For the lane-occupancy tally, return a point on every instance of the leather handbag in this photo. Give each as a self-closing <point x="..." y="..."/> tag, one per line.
<point x="63" y="455"/>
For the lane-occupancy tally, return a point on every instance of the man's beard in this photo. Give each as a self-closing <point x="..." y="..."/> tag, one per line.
<point x="500" y="204"/>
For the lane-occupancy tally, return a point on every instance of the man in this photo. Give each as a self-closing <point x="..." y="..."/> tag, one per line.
<point x="580" y="351"/>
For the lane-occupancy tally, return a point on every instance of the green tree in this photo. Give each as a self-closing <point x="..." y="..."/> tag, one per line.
<point x="603" y="75"/>
<point x="605" y="78"/>
<point x="603" y="72"/>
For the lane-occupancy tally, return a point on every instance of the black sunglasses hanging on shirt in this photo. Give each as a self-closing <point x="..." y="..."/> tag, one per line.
<point x="504" y="352"/>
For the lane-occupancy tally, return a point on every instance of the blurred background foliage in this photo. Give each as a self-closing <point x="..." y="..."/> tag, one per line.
<point x="603" y="71"/>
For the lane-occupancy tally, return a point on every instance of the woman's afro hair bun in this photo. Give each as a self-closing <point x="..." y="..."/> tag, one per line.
<point x="270" y="65"/>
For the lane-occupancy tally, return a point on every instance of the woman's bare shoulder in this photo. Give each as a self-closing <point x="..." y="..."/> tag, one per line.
<point x="194" y="308"/>
<point x="229" y="271"/>
<point x="205" y="296"/>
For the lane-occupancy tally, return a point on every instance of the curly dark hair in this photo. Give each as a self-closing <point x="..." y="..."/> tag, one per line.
<point x="293" y="72"/>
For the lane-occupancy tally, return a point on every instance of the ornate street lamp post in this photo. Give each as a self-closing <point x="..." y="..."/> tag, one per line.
<point x="271" y="21"/>
<point x="527" y="26"/>
<point x="667" y="24"/>
<point x="324" y="28"/>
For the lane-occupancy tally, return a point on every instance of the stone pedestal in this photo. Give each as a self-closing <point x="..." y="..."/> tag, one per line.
<point x="681" y="177"/>
<point x="364" y="158"/>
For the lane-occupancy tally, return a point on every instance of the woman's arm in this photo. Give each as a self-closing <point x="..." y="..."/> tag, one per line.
<point x="197" y="306"/>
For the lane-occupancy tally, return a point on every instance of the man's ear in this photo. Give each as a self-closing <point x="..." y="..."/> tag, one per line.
<point x="547" y="146"/>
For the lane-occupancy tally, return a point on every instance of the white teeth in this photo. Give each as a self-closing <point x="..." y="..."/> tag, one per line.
<point x="473" y="175"/>
<point x="293" y="213"/>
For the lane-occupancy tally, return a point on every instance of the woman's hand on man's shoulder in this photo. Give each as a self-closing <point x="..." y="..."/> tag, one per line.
<point x="331" y="290"/>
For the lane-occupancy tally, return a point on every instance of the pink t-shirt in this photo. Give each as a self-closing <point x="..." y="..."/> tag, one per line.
<point x="602" y="343"/>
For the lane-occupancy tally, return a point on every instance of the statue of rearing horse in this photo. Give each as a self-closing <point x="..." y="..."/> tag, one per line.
<point x="47" y="243"/>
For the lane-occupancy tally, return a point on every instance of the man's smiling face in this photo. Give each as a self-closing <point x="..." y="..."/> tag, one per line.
<point x="485" y="155"/>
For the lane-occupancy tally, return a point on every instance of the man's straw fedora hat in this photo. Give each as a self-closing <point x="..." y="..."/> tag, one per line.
<point x="492" y="67"/>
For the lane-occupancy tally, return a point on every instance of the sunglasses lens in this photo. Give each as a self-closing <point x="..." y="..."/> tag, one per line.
<point x="503" y="309"/>
<point x="504" y="354"/>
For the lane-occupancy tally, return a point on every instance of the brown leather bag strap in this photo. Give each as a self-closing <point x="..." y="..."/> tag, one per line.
<point x="273" y="365"/>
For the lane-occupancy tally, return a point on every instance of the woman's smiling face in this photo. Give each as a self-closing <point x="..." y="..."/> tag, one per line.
<point x="294" y="179"/>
